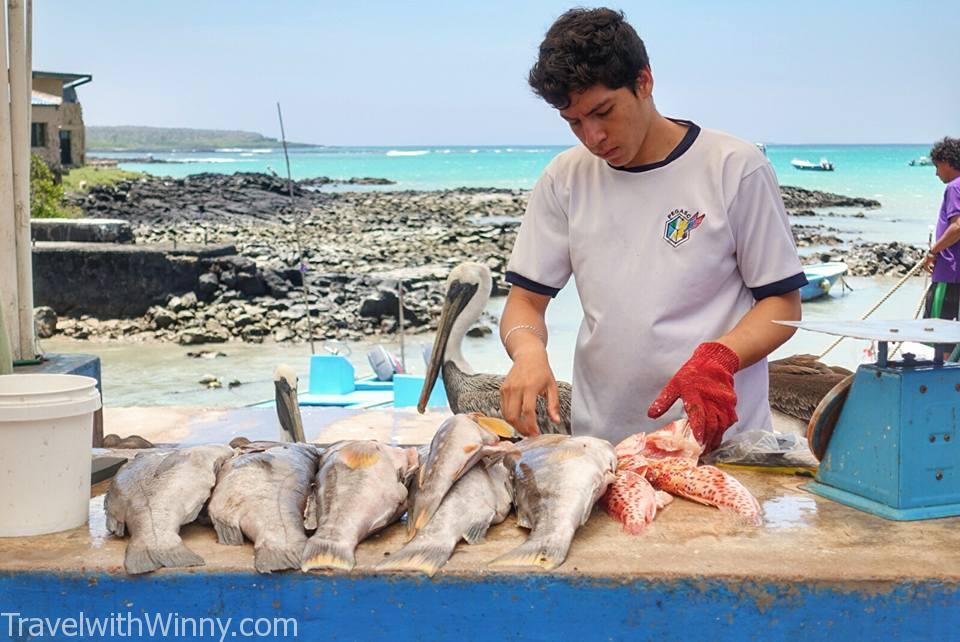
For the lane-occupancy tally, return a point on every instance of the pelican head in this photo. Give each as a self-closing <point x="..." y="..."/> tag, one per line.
<point x="288" y="408"/>
<point x="468" y="290"/>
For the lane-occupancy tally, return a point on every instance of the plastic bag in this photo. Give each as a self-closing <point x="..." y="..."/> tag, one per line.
<point x="764" y="448"/>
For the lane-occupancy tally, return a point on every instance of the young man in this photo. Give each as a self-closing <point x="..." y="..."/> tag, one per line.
<point x="943" y="259"/>
<point x="677" y="238"/>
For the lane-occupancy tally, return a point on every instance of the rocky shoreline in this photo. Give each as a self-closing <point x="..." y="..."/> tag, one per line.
<point x="357" y="248"/>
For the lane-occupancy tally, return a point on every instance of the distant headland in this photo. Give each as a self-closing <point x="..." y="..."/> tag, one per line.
<point x="134" y="138"/>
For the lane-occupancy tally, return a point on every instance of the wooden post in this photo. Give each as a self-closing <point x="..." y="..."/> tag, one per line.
<point x="20" y="93"/>
<point x="9" y="287"/>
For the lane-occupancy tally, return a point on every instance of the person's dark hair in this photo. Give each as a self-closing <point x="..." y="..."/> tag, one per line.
<point x="947" y="151"/>
<point x="585" y="47"/>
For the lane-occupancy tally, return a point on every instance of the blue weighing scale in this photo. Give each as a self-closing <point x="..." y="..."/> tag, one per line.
<point x="886" y="436"/>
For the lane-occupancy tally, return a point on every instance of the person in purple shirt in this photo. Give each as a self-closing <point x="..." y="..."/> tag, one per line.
<point x="943" y="259"/>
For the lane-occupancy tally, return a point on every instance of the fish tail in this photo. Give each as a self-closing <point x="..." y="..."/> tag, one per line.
<point x="140" y="558"/>
<point x="268" y="558"/>
<point x="327" y="554"/>
<point x="414" y="557"/>
<point x="229" y="534"/>
<point x="546" y="553"/>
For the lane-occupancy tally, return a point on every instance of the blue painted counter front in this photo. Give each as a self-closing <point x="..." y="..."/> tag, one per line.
<point x="488" y="607"/>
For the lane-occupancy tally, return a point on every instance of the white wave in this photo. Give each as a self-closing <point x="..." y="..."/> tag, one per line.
<point x="411" y="152"/>
<point x="474" y="151"/>
<point x="214" y="160"/>
<point x="248" y="150"/>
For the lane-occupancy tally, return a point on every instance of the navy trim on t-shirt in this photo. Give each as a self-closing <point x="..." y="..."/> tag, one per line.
<point x="693" y="130"/>
<point x="539" y="288"/>
<point x="782" y="286"/>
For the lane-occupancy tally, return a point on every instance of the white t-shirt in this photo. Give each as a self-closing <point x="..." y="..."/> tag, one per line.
<point x="665" y="257"/>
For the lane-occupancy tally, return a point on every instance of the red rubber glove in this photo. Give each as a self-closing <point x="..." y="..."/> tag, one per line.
<point x="705" y="383"/>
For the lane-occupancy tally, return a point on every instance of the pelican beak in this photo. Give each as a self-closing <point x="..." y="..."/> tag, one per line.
<point x="458" y="296"/>
<point x="288" y="408"/>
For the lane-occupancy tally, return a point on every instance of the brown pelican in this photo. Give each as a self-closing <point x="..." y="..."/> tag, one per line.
<point x="288" y="408"/>
<point x="799" y="382"/>
<point x="468" y="290"/>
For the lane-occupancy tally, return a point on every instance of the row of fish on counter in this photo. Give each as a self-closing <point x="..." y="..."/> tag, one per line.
<point x="273" y="494"/>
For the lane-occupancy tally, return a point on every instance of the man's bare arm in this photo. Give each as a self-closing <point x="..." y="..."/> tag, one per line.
<point x="756" y="336"/>
<point x="524" y="320"/>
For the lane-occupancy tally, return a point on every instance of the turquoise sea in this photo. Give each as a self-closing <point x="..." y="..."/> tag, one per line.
<point x="910" y="196"/>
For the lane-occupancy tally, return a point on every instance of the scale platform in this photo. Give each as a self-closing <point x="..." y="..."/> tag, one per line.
<point x="886" y="436"/>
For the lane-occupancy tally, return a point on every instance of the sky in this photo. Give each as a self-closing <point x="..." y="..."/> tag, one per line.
<point x="375" y="72"/>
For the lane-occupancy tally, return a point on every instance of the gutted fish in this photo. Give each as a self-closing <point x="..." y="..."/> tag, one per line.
<point x="633" y="502"/>
<point x="459" y="443"/>
<point x="479" y="499"/>
<point x="361" y="487"/>
<point x="156" y="493"/>
<point x="261" y="494"/>
<point x="557" y="480"/>
<point x="668" y="458"/>
<point x="706" y="485"/>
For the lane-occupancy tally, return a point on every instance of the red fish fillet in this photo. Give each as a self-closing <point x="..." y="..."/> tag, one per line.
<point x="633" y="502"/>
<point x="667" y="458"/>
<point x="704" y="484"/>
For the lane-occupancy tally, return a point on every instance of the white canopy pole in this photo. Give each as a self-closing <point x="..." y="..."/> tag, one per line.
<point x="20" y="83"/>
<point x="9" y="282"/>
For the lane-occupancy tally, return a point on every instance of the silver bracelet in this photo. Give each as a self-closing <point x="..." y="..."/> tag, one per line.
<point x="525" y="326"/>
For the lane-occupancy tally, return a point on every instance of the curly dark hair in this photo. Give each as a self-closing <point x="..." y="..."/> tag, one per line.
<point x="947" y="151"/>
<point x="585" y="47"/>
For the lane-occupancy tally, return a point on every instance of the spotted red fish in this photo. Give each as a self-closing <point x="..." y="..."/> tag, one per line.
<point x="667" y="458"/>
<point x="633" y="502"/>
<point x="704" y="484"/>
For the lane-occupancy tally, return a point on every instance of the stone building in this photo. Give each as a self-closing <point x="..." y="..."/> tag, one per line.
<point x="56" y="127"/>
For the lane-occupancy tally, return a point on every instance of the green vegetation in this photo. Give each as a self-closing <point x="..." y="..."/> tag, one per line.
<point x="46" y="196"/>
<point x="80" y="179"/>
<point x="156" y="139"/>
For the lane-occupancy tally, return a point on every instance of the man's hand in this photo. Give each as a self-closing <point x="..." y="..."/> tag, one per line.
<point x="705" y="384"/>
<point x="529" y="378"/>
<point x="929" y="261"/>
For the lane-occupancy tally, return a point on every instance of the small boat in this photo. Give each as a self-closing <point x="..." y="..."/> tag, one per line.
<point x="823" y="166"/>
<point x="820" y="278"/>
<point x="920" y="162"/>
<point x="332" y="382"/>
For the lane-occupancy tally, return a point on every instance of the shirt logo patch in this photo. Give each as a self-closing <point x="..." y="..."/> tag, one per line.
<point x="679" y="225"/>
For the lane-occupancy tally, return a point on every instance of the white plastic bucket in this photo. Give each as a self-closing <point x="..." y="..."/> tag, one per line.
<point x="46" y="428"/>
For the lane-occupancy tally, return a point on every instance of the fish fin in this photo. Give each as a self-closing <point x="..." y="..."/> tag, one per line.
<point x="497" y="426"/>
<point x="417" y="558"/>
<point x="544" y="553"/>
<point x="116" y="526"/>
<point x="422" y="518"/>
<point x="476" y="532"/>
<point x="359" y="455"/>
<point x="228" y="533"/>
<point x="267" y="559"/>
<point x="663" y="498"/>
<point x="143" y="559"/>
<point x="326" y="554"/>
<point x="421" y="474"/>
<point x="137" y="560"/>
